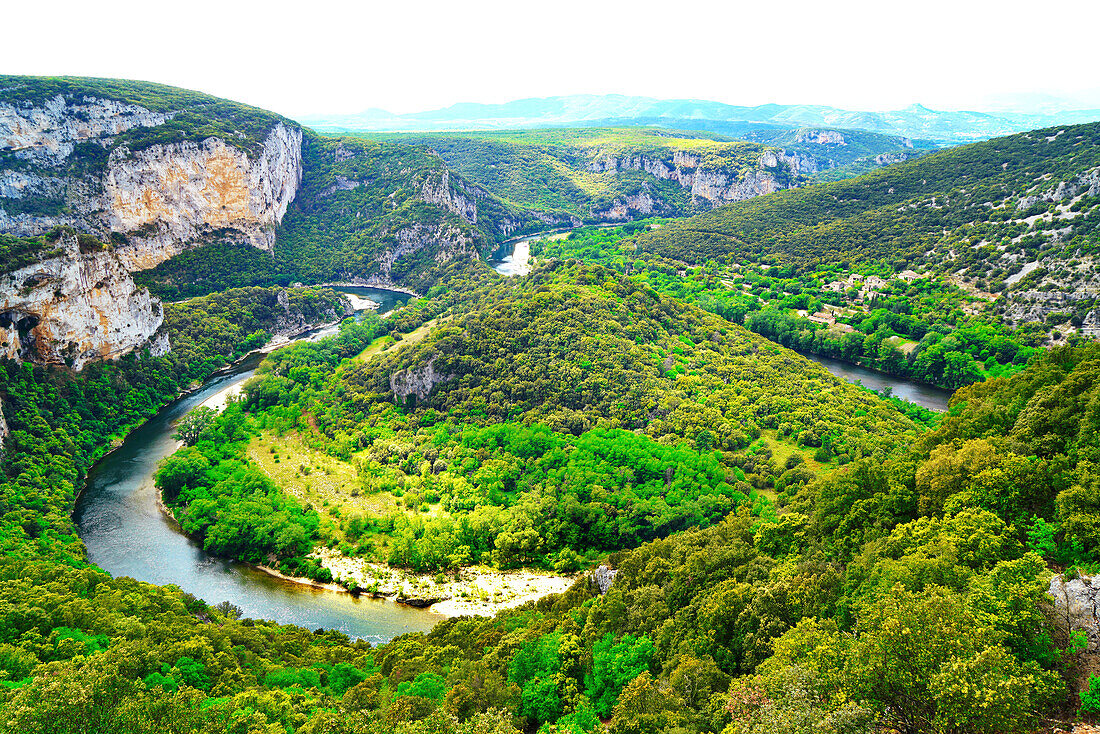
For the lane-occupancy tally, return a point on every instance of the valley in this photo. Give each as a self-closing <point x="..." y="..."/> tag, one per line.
<point x="602" y="428"/>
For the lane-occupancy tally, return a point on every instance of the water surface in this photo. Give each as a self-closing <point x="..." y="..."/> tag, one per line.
<point x="928" y="396"/>
<point x="127" y="534"/>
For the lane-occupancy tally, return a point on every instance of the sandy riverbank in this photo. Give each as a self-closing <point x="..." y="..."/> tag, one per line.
<point x="479" y="591"/>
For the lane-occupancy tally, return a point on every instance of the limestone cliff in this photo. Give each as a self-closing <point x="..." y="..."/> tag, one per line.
<point x="418" y="381"/>
<point x="290" y="322"/>
<point x="710" y="185"/>
<point x="76" y="305"/>
<point x="166" y="198"/>
<point x="67" y="161"/>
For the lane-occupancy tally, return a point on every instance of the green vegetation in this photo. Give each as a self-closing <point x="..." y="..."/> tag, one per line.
<point x="358" y="200"/>
<point x="926" y="329"/>
<point x="196" y="116"/>
<point x="563" y="172"/>
<point x="529" y="454"/>
<point x="898" y="593"/>
<point x="976" y="208"/>
<point x="19" y="252"/>
<point x="213" y="267"/>
<point x="792" y="552"/>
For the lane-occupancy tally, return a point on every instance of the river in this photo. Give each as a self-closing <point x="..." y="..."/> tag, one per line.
<point x="516" y="262"/>
<point x="127" y="534"/>
<point x="928" y="396"/>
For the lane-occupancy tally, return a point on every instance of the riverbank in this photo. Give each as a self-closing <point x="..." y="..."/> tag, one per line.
<point x="364" y="284"/>
<point x="472" y="590"/>
<point x="913" y="391"/>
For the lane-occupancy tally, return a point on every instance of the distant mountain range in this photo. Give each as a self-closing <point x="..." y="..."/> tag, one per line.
<point x="915" y="121"/>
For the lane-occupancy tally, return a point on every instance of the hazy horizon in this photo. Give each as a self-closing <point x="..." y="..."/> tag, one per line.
<point x="344" y="58"/>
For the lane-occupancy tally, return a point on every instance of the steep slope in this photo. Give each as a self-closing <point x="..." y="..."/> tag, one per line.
<point x="1015" y="215"/>
<point x="571" y="412"/>
<point x="593" y="174"/>
<point x="380" y="212"/>
<point x="68" y="298"/>
<point x="196" y="194"/>
<point x="154" y="169"/>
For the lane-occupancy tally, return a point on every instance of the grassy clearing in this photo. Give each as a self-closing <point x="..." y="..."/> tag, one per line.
<point x="385" y="343"/>
<point x="330" y="485"/>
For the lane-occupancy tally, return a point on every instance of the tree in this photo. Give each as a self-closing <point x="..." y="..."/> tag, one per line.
<point x="613" y="666"/>
<point x="190" y="427"/>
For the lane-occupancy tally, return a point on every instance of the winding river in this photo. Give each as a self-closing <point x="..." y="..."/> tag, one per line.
<point x="512" y="259"/>
<point x="127" y="534"/>
<point x="928" y="396"/>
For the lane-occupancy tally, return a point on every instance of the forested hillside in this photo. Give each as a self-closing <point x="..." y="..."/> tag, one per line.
<point x="530" y="451"/>
<point x="922" y="327"/>
<point x="905" y="591"/>
<point x="589" y="174"/>
<point x="780" y="550"/>
<point x="198" y="194"/>
<point x="981" y="208"/>
<point x="372" y="211"/>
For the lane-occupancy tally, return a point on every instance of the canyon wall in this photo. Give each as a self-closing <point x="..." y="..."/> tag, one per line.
<point x="74" y="306"/>
<point x="710" y="185"/>
<point x="65" y="164"/>
<point x="152" y="184"/>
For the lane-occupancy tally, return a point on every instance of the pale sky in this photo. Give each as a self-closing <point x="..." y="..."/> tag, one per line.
<point x="338" y="57"/>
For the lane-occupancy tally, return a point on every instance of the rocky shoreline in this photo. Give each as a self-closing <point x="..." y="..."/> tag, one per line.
<point x="472" y="590"/>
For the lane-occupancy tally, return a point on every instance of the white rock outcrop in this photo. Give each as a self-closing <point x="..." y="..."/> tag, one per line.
<point x="167" y="197"/>
<point x="1077" y="606"/>
<point x="76" y="307"/>
<point x="439" y="191"/>
<point x="417" y="381"/>
<point x="821" y="137"/>
<point x="709" y="186"/>
<point x="49" y="131"/>
<point x="602" y="578"/>
<point x="161" y="199"/>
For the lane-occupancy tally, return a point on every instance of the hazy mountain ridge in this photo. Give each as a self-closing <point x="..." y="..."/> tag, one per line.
<point x="915" y="121"/>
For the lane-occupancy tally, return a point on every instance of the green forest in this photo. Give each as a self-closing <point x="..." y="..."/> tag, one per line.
<point x="985" y="196"/>
<point x="753" y="544"/>
<point x="926" y="328"/>
<point x="559" y="172"/>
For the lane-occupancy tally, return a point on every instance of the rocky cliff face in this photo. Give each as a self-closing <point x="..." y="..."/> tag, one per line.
<point x="48" y="133"/>
<point x="602" y="579"/>
<point x="80" y="161"/>
<point x="156" y="201"/>
<point x="821" y="137"/>
<point x="167" y="198"/>
<point x="1077" y="604"/>
<point x="291" y="322"/>
<point x="417" y="381"/>
<point x="75" y="307"/>
<point x="710" y="187"/>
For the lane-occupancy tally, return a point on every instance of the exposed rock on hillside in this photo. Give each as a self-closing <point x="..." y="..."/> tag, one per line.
<point x="77" y="305"/>
<point x="602" y="578"/>
<point x="292" y="322"/>
<point x="166" y="197"/>
<point x="417" y="381"/>
<point x="1077" y="606"/>
<point x="65" y="166"/>
<point x="710" y="186"/>
<point x="49" y="133"/>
